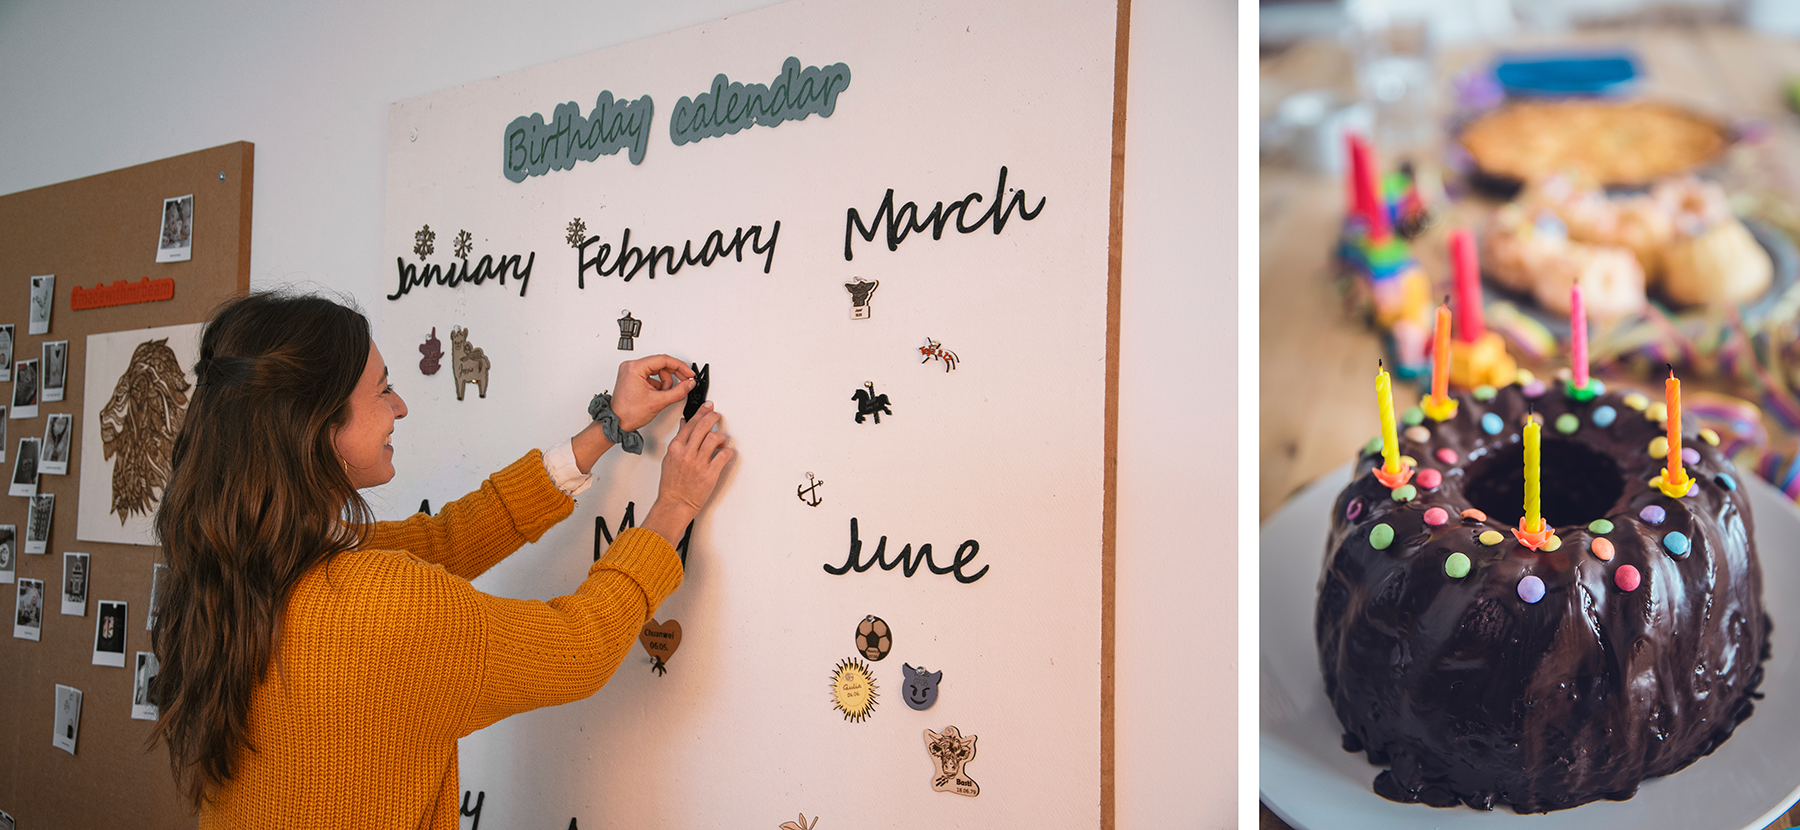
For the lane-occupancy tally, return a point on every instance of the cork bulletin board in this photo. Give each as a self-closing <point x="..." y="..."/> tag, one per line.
<point x="95" y="232"/>
<point x="889" y="233"/>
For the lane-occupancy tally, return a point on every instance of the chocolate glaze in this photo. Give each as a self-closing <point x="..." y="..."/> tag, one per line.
<point x="1471" y="694"/>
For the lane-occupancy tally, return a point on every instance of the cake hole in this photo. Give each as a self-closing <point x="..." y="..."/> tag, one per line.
<point x="1580" y="484"/>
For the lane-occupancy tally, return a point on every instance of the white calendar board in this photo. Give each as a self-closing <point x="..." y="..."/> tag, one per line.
<point x="999" y="458"/>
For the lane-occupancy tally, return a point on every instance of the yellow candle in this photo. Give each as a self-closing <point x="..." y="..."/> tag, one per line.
<point x="1440" y="356"/>
<point x="1677" y="474"/>
<point x="1390" y="437"/>
<point x="1533" y="520"/>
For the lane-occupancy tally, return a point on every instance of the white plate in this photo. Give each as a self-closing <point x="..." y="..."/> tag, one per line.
<point x="1313" y="784"/>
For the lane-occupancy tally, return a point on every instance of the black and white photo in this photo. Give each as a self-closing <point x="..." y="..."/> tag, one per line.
<point x="143" y="687"/>
<point x="53" y="454"/>
<point x="175" y="233"/>
<point x="158" y="579"/>
<point x="6" y="351"/>
<point x="37" y="523"/>
<point x="28" y="609"/>
<point x="43" y="297"/>
<point x="9" y="553"/>
<point x="25" y="469"/>
<point x="68" y="718"/>
<point x="109" y="634"/>
<point x="76" y="578"/>
<point x="25" y="389"/>
<point x="56" y="369"/>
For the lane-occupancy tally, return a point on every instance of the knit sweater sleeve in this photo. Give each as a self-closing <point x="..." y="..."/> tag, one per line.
<point x="546" y="653"/>
<point x="472" y="534"/>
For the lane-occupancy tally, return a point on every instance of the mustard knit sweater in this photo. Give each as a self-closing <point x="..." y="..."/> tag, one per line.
<point x="388" y="655"/>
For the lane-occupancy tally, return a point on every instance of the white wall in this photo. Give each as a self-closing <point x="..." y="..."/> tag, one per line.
<point x="87" y="87"/>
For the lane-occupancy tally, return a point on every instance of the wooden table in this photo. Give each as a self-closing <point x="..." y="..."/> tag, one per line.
<point x="1317" y="362"/>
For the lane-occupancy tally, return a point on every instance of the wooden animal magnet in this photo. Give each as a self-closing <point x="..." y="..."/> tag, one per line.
<point x="952" y="752"/>
<point x="467" y="363"/>
<point x="869" y="403"/>
<point x="433" y="351"/>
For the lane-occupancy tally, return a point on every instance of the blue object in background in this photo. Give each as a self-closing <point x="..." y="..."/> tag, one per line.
<point x="1560" y="74"/>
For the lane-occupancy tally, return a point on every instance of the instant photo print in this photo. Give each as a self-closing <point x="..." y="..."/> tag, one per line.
<point x="53" y="453"/>
<point x="28" y="609"/>
<point x="109" y="634"/>
<point x="25" y="469"/>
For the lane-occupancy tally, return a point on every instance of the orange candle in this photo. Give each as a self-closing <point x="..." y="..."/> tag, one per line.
<point x="1440" y="355"/>
<point x="1675" y="474"/>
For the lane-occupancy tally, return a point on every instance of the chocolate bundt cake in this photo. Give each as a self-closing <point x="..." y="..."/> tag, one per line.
<point x="1484" y="672"/>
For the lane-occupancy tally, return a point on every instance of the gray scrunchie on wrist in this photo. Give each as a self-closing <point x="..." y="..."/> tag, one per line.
<point x="600" y="409"/>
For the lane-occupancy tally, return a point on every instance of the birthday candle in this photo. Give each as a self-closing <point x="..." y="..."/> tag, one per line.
<point x="1533" y="520"/>
<point x="1467" y="277"/>
<point x="1368" y="191"/>
<point x="1578" y="352"/>
<point x="1677" y="474"/>
<point x="1390" y="437"/>
<point x="1440" y="355"/>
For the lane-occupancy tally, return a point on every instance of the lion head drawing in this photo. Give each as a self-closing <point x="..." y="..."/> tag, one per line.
<point x="139" y="425"/>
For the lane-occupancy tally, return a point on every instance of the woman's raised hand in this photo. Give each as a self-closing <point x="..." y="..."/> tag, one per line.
<point x="690" y="470"/>
<point x="647" y="386"/>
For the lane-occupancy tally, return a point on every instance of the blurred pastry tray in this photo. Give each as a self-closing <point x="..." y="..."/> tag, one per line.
<point x="1782" y="255"/>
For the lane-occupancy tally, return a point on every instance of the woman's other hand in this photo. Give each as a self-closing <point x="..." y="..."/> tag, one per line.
<point x="690" y="470"/>
<point x="647" y="386"/>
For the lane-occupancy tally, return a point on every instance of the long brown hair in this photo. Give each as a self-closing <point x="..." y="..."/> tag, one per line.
<point x="257" y="496"/>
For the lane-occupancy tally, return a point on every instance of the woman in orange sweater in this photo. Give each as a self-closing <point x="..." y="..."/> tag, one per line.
<point x="318" y="666"/>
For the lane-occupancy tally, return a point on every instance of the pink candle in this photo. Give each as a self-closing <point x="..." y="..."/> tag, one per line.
<point x="1467" y="279"/>
<point x="1367" y="174"/>
<point x="1578" y="336"/>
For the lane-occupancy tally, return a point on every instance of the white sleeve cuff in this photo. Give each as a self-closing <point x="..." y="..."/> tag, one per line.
<point x="559" y="462"/>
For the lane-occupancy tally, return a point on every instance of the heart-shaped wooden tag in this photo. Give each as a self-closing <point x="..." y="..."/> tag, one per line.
<point x="661" y="639"/>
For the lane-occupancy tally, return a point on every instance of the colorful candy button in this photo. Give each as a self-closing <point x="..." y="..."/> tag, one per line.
<point x="1446" y="455"/>
<point x="1627" y="578"/>
<point x="1490" y="537"/>
<point x="1524" y="376"/>
<point x="1435" y="516"/>
<point x="1552" y="544"/>
<point x="1676" y="542"/>
<point x="1405" y="492"/>
<point x="1710" y="437"/>
<point x="1658" y="411"/>
<point x="1485" y="392"/>
<point x="1534" y="389"/>
<point x="1474" y="514"/>
<point x="1352" y="510"/>
<point x="1725" y="481"/>
<point x="1531" y="589"/>
<point x="1417" y="434"/>
<point x="1659" y="447"/>
<point x="1601" y="526"/>
<point x="1690" y="455"/>
<point x="1595" y="386"/>
<point x="1374" y="446"/>
<point x="1636" y="400"/>
<point x="1409" y="461"/>
<point x="1653" y="514"/>
<point x="1603" y="549"/>
<point x="1604" y="416"/>
<point x="1429" y="478"/>
<point x="1491" y="423"/>
<point x="1456" y="566"/>
<point x="1413" y="416"/>
<point x="1567" y="423"/>
<point x="1380" y="536"/>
